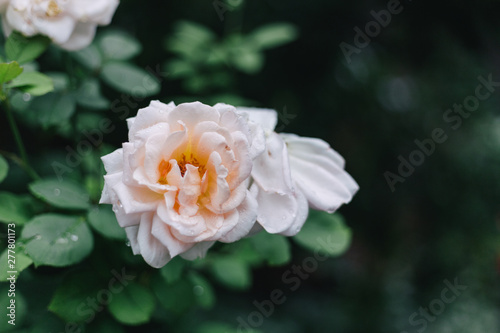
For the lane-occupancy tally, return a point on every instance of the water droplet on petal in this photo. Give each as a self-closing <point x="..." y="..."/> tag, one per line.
<point x="62" y="240"/>
<point x="120" y="204"/>
<point x="74" y="238"/>
<point x="57" y="192"/>
<point x="198" y="290"/>
<point x="127" y="243"/>
<point x="283" y="217"/>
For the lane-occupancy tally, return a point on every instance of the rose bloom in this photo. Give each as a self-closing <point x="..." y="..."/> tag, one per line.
<point x="69" y="23"/>
<point x="293" y="174"/>
<point x="182" y="181"/>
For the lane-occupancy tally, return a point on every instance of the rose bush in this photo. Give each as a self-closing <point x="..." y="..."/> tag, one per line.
<point x="69" y="23"/>
<point x="181" y="182"/>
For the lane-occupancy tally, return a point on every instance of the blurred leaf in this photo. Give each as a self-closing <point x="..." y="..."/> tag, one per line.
<point x="34" y="83"/>
<point x="325" y="233"/>
<point x="4" y="168"/>
<point x="215" y="327"/>
<point x="9" y="71"/>
<point x="63" y="194"/>
<point x="13" y="208"/>
<point x="89" y="57"/>
<point x="23" y="49"/>
<point x="173" y="271"/>
<point x="70" y="301"/>
<point x="130" y="79"/>
<point x="60" y="80"/>
<point x="133" y="306"/>
<point x="105" y="326"/>
<point x="103" y="220"/>
<point x="273" y="35"/>
<point x="89" y="95"/>
<point x="202" y="290"/>
<point x="275" y="249"/>
<point x="232" y="272"/>
<point x="21" y="263"/>
<point x="53" y="109"/>
<point x="189" y="37"/>
<point x="177" y="297"/>
<point x="118" y="45"/>
<point x="247" y="59"/>
<point x="57" y="240"/>
<point x="179" y="68"/>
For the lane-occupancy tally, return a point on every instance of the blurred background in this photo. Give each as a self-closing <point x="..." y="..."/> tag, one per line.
<point x="370" y="97"/>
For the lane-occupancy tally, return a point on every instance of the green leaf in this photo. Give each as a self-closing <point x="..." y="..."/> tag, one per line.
<point x="275" y="249"/>
<point x="21" y="262"/>
<point x="177" y="297"/>
<point x="215" y="327"/>
<point x="118" y="45"/>
<point x="23" y="49"/>
<point x="232" y="272"/>
<point x="106" y="325"/>
<point x="57" y="240"/>
<point x="103" y="220"/>
<point x="70" y="299"/>
<point x="33" y="83"/>
<point x="130" y="79"/>
<point x="89" y="57"/>
<point x="4" y="168"/>
<point x="325" y="233"/>
<point x="9" y="71"/>
<point x="202" y="290"/>
<point x="89" y="95"/>
<point x="134" y="305"/>
<point x="53" y="109"/>
<point x="247" y="59"/>
<point x="60" y="80"/>
<point x="62" y="194"/>
<point x="273" y="35"/>
<point x="173" y="271"/>
<point x="14" y="208"/>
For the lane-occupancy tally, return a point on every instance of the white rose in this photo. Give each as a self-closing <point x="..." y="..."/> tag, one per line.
<point x="181" y="182"/>
<point x="69" y="23"/>
<point x="293" y="174"/>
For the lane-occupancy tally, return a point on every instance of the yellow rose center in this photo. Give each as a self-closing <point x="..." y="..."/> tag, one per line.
<point x="53" y="9"/>
<point x="164" y="167"/>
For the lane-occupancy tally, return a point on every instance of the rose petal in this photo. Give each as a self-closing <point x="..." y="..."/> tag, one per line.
<point x="152" y="250"/>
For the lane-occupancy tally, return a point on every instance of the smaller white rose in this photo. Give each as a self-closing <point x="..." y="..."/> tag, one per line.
<point x="293" y="174"/>
<point x="71" y="24"/>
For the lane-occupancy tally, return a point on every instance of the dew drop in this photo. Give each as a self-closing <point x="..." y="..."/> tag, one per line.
<point x="26" y="97"/>
<point x="283" y="217"/>
<point x="127" y="243"/>
<point x="115" y="209"/>
<point x="57" y="192"/>
<point x="62" y="240"/>
<point x="120" y="204"/>
<point x="74" y="238"/>
<point x="198" y="290"/>
<point x="38" y="237"/>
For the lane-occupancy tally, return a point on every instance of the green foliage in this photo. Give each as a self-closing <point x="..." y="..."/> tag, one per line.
<point x="118" y="45"/>
<point x="325" y="233"/>
<point x="9" y="71"/>
<point x="53" y="109"/>
<point x="133" y="306"/>
<point x="57" y="240"/>
<point x="103" y="220"/>
<point x="22" y="49"/>
<point x="232" y="272"/>
<point x="33" y="83"/>
<point x="14" y="208"/>
<point x="275" y="249"/>
<point x="4" y="168"/>
<point x="130" y="79"/>
<point x="63" y="194"/>
<point x="176" y="297"/>
<point x="20" y="260"/>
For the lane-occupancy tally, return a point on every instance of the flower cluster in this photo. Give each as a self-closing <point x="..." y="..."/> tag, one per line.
<point x="193" y="174"/>
<point x="70" y="24"/>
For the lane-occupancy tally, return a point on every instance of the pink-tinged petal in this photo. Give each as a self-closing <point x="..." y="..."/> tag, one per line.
<point x="161" y="231"/>
<point x="113" y="162"/>
<point x="16" y="19"/>
<point x="136" y="199"/>
<point x="265" y="118"/>
<point x="100" y="11"/>
<point x="197" y="251"/>
<point x="191" y="114"/>
<point x="189" y="192"/>
<point x="277" y="212"/>
<point x="233" y="121"/>
<point x="247" y="215"/>
<point x="152" y="250"/>
<point x="155" y="113"/>
<point x="184" y="228"/>
<point x="81" y="37"/>
<point x="301" y="217"/>
<point x="108" y="195"/>
<point x="218" y="187"/>
<point x="271" y="169"/>
<point x="126" y="220"/>
<point x="318" y="172"/>
<point x="132" y="238"/>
